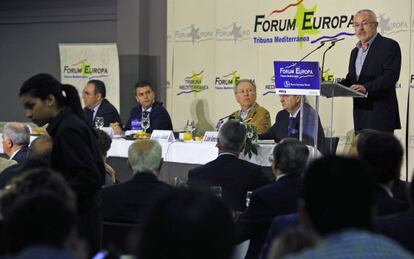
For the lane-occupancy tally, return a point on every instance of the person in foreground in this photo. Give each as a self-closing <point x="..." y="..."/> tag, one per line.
<point x="250" y="111"/>
<point x="281" y="197"/>
<point x="126" y="202"/>
<point x="75" y="152"/>
<point x="187" y="224"/>
<point x="374" y="69"/>
<point x="235" y="176"/>
<point x="147" y="108"/>
<point x="337" y="205"/>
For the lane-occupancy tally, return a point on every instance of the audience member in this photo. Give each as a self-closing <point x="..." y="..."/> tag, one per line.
<point x="290" y="242"/>
<point x="126" y="202"/>
<point x="250" y="111"/>
<point x="384" y="153"/>
<point x="337" y="205"/>
<point x="96" y="104"/>
<point x="75" y="151"/>
<point x="288" y="121"/>
<point x="40" y="226"/>
<point x="147" y="108"/>
<point x="235" y="176"/>
<point x="104" y="142"/>
<point x="186" y="224"/>
<point x="400" y="227"/>
<point x="38" y="156"/>
<point x="278" y="198"/>
<point x="38" y="181"/>
<point x="16" y="140"/>
<point x="280" y="225"/>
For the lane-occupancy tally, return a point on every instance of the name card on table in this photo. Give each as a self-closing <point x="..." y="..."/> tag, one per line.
<point x="163" y="135"/>
<point x="210" y="136"/>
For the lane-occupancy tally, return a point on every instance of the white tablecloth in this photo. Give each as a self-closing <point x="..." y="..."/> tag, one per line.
<point x="190" y="152"/>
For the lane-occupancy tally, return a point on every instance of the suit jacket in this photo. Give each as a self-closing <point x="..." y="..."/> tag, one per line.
<point x="21" y="155"/>
<point x="159" y="117"/>
<point x="258" y="116"/>
<point x="108" y="112"/>
<point x="5" y="163"/>
<point x="279" y="130"/>
<point x="380" y="72"/>
<point x="399" y="227"/>
<point x="278" y="226"/>
<point x="387" y="205"/>
<point x="126" y="202"/>
<point x="278" y="198"/>
<point x="234" y="175"/>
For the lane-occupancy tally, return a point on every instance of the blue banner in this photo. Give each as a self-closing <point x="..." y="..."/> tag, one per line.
<point x="297" y="78"/>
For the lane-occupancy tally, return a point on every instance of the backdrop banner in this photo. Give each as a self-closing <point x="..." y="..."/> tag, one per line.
<point x="233" y="39"/>
<point x="80" y="63"/>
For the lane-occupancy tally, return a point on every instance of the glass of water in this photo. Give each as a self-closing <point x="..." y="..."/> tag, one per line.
<point x="217" y="191"/>
<point x="99" y="122"/>
<point x="248" y="197"/>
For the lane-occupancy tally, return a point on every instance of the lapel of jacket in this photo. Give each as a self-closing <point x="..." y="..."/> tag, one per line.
<point x="251" y="113"/>
<point x="369" y="59"/>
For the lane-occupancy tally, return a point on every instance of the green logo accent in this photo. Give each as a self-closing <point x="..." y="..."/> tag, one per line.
<point x="304" y="20"/>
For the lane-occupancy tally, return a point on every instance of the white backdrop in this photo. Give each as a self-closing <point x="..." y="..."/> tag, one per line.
<point x="80" y="63"/>
<point x="213" y="43"/>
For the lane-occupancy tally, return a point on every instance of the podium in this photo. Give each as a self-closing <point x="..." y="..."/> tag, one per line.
<point x="331" y="89"/>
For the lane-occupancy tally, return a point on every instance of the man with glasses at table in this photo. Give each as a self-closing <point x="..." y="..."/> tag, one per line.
<point x="250" y="111"/>
<point x="374" y="69"/>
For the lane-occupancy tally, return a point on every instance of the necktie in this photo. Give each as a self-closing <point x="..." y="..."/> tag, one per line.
<point x="89" y="115"/>
<point x="291" y="126"/>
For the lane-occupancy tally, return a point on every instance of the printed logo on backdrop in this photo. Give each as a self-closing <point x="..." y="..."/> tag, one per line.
<point x="227" y="81"/>
<point x="193" y="34"/>
<point x="304" y="22"/>
<point x="83" y="69"/>
<point x="193" y="84"/>
<point x="232" y="32"/>
<point x="270" y="86"/>
<point x="387" y="26"/>
<point x="298" y="78"/>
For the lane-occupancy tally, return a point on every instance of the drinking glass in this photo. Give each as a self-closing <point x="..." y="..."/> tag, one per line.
<point x="145" y="123"/>
<point x="99" y="122"/>
<point x="217" y="191"/>
<point x="248" y="197"/>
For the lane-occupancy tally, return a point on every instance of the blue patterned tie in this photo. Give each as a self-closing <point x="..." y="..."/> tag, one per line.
<point x="291" y="127"/>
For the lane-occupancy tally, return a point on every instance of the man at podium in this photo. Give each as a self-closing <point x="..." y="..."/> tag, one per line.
<point x="374" y="69"/>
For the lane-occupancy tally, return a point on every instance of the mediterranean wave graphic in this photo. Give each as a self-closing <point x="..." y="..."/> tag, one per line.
<point x="332" y="37"/>
<point x="285" y="8"/>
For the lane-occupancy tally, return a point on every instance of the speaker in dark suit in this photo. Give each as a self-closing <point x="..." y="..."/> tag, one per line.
<point x="96" y="105"/>
<point x="235" y="176"/>
<point x="279" y="198"/>
<point x="374" y="68"/>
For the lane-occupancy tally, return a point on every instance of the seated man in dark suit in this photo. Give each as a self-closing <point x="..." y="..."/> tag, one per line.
<point x="38" y="156"/>
<point x="127" y="201"/>
<point x="278" y="198"/>
<point x="384" y="153"/>
<point x="235" y="176"/>
<point x="147" y="108"/>
<point x="400" y="227"/>
<point x="16" y="140"/>
<point x="96" y="105"/>
<point x="288" y="119"/>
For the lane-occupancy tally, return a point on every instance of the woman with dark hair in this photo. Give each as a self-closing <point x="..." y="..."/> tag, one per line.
<point x="186" y="224"/>
<point x="75" y="151"/>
